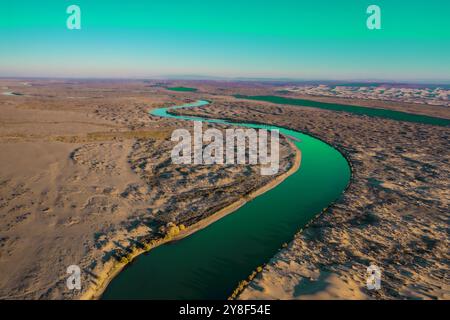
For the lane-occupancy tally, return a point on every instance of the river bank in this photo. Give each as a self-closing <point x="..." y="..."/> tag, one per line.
<point x="110" y="272"/>
<point x="170" y="272"/>
<point x="392" y="215"/>
<point x="85" y="179"/>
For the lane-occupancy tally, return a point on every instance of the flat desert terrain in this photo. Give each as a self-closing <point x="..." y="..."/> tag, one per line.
<point x="86" y="179"/>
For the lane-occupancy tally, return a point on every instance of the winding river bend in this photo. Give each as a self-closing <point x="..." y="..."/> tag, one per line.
<point x="209" y="263"/>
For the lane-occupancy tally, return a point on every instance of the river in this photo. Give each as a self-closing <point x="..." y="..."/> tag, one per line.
<point x="210" y="263"/>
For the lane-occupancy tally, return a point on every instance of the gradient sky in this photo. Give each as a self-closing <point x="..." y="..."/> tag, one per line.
<point x="320" y="39"/>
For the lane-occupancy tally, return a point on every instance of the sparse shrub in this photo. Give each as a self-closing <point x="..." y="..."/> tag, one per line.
<point x="172" y="231"/>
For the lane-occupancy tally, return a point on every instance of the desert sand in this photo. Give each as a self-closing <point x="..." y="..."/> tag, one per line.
<point x="86" y="179"/>
<point x="394" y="213"/>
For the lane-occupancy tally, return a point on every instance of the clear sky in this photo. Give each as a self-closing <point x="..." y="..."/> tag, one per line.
<point x="319" y="39"/>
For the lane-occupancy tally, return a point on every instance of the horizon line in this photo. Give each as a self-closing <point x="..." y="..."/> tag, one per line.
<point x="237" y="79"/>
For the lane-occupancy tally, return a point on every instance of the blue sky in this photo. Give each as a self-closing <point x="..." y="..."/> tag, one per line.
<point x="297" y="39"/>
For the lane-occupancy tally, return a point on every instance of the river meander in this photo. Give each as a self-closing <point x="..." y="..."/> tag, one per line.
<point x="209" y="263"/>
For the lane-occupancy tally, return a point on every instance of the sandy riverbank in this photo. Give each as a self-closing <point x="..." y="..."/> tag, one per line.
<point x="394" y="213"/>
<point x="112" y="270"/>
<point x="86" y="176"/>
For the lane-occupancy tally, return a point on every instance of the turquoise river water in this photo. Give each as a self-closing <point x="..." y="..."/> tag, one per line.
<point x="210" y="263"/>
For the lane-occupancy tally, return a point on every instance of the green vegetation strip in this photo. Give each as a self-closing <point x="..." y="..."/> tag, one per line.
<point x="182" y="89"/>
<point x="371" y="112"/>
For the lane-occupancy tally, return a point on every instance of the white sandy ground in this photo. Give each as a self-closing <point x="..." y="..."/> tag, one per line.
<point x="61" y="206"/>
<point x="314" y="285"/>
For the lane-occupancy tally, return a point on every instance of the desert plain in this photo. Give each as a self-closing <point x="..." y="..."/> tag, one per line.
<point x="86" y="179"/>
